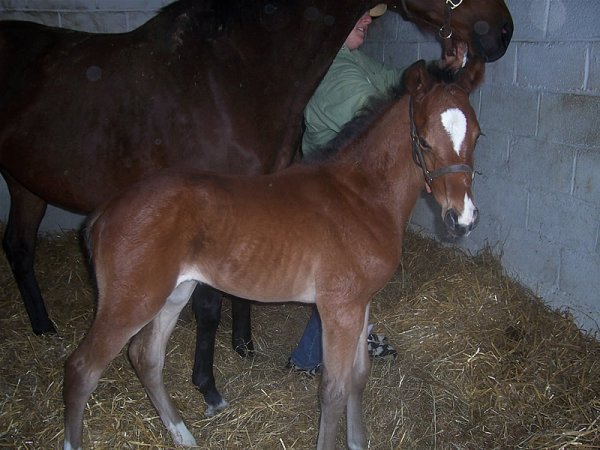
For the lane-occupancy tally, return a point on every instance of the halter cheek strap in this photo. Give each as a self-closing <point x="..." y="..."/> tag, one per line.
<point x="419" y="158"/>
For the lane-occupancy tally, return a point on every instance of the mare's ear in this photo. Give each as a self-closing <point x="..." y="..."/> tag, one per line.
<point x="472" y="75"/>
<point x="417" y="79"/>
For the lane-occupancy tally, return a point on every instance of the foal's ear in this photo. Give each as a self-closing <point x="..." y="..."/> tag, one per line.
<point x="472" y="75"/>
<point x="417" y="79"/>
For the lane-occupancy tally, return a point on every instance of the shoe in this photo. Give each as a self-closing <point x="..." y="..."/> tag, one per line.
<point x="309" y="372"/>
<point x="379" y="348"/>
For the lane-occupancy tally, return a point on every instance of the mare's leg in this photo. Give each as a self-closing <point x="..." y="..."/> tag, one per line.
<point x="26" y="213"/>
<point x="147" y="355"/>
<point x="342" y="353"/>
<point x="206" y="303"/>
<point x="241" y="327"/>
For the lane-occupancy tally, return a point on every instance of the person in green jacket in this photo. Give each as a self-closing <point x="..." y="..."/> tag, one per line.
<point x="350" y="82"/>
<point x="352" y="79"/>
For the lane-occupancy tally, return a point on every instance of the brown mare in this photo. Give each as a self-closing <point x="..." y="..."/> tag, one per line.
<point x="83" y="116"/>
<point x="328" y="233"/>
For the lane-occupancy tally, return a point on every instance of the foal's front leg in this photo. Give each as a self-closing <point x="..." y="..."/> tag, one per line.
<point x="356" y="432"/>
<point x="346" y="366"/>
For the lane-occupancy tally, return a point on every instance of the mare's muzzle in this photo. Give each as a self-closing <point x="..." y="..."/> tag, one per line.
<point x="487" y="44"/>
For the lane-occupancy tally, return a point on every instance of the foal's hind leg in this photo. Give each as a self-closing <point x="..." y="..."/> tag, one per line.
<point x="26" y="213"/>
<point x="84" y="367"/>
<point x="147" y="355"/>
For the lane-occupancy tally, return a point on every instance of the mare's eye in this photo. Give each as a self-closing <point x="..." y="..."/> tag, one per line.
<point x="423" y="143"/>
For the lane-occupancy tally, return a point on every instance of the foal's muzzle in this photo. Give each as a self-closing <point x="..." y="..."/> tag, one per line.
<point x="454" y="225"/>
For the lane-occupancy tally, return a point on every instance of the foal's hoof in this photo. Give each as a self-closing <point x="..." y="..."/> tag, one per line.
<point x="211" y="410"/>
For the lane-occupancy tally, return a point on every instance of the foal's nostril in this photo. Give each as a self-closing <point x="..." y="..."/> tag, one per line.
<point x="451" y="220"/>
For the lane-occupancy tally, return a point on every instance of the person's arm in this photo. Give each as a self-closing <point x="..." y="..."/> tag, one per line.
<point x="382" y="76"/>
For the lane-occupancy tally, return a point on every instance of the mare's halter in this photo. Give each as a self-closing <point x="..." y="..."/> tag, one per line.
<point x="445" y="31"/>
<point x="417" y="152"/>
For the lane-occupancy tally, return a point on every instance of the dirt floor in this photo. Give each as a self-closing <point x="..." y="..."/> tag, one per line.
<point x="482" y="364"/>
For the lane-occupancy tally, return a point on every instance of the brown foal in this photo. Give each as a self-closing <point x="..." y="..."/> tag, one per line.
<point x="327" y="233"/>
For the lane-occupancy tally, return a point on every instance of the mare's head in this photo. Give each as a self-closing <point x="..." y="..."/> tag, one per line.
<point x="485" y="25"/>
<point x="444" y="131"/>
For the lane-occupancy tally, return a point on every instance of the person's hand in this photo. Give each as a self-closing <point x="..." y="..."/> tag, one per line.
<point x="458" y="58"/>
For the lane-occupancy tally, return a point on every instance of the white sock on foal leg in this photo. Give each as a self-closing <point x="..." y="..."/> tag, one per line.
<point x="67" y="446"/>
<point x="181" y="434"/>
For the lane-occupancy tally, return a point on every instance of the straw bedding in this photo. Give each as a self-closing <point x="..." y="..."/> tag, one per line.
<point x="482" y="364"/>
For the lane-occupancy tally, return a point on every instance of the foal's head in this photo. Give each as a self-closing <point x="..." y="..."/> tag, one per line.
<point x="444" y="130"/>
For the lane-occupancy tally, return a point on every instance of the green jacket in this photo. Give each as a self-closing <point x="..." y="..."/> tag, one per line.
<point x="351" y="80"/>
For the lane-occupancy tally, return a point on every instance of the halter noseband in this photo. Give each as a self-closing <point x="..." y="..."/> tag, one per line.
<point x="445" y="31"/>
<point x="417" y="153"/>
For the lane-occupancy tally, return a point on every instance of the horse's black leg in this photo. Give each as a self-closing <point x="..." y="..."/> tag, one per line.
<point x="206" y="303"/>
<point x="26" y="212"/>
<point x="241" y="327"/>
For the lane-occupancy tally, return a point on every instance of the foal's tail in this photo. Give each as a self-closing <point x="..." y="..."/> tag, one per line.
<point x="91" y="232"/>
<point x="87" y="232"/>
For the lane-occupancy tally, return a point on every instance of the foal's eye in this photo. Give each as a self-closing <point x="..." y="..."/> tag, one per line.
<point x="423" y="143"/>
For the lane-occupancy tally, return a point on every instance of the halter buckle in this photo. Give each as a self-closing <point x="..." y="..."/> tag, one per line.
<point x="453" y="4"/>
<point x="443" y="34"/>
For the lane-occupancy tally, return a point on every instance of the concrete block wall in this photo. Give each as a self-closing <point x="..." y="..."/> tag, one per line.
<point x="539" y="188"/>
<point x="539" y="107"/>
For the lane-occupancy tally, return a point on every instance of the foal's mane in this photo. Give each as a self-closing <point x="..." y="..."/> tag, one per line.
<point x="368" y="114"/>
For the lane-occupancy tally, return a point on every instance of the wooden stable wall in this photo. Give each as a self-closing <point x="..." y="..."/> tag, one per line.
<point x="539" y="188"/>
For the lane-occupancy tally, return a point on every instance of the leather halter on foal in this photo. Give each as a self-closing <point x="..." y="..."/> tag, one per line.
<point x="445" y="31"/>
<point x="417" y="152"/>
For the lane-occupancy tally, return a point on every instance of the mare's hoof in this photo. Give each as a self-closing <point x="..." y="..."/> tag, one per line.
<point x="211" y="410"/>
<point x="45" y="328"/>
<point x="244" y="349"/>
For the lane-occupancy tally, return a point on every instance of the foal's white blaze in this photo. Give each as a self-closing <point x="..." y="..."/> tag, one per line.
<point x="468" y="214"/>
<point x="455" y="124"/>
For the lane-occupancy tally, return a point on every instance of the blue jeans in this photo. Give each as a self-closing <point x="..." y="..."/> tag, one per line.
<point x="309" y="352"/>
